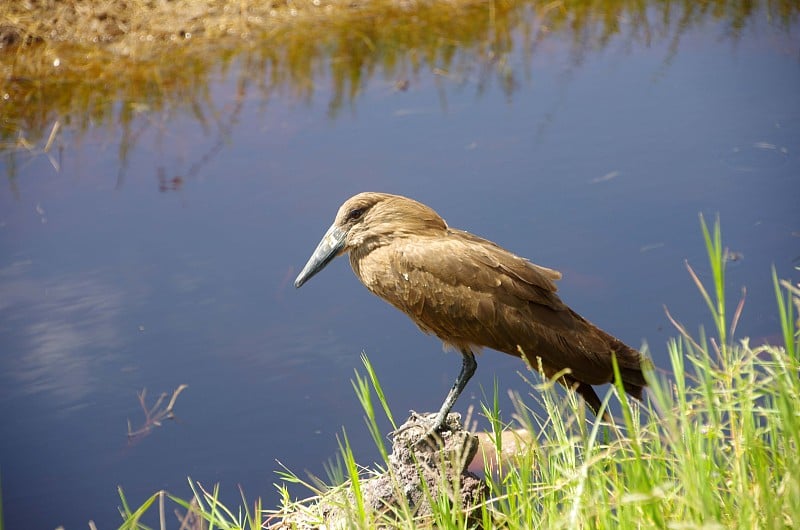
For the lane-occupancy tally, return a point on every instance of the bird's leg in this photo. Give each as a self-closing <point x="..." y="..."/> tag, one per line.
<point x="468" y="367"/>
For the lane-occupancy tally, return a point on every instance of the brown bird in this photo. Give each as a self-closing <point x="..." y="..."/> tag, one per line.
<point x="472" y="294"/>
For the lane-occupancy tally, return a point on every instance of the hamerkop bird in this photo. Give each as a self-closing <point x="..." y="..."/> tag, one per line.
<point x="472" y="294"/>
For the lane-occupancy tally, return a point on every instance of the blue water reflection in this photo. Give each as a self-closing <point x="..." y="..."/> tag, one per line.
<point x="175" y="265"/>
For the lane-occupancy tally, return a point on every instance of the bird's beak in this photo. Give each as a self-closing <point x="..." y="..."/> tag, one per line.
<point x="331" y="246"/>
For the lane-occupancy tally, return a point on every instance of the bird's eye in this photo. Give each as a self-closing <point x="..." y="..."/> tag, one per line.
<point x="355" y="214"/>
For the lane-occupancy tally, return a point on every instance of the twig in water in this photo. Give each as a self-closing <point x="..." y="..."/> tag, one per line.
<point x="154" y="415"/>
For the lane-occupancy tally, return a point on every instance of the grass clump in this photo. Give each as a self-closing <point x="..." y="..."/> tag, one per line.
<point x="717" y="445"/>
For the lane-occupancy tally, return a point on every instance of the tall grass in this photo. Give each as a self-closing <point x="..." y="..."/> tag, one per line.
<point x="717" y="445"/>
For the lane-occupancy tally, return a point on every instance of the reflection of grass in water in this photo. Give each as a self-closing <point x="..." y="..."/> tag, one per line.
<point x="96" y="63"/>
<point x="152" y="63"/>
<point x="116" y="84"/>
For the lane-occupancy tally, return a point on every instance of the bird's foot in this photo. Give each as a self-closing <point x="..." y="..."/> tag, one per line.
<point x="415" y="421"/>
<point x="424" y="429"/>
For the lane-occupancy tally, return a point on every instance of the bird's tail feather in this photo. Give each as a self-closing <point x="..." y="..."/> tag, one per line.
<point x="631" y="365"/>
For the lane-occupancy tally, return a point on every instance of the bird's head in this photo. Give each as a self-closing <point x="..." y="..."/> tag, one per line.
<point x="366" y="221"/>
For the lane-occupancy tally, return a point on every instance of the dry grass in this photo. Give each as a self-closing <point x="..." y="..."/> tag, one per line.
<point x="142" y="26"/>
<point x="97" y="62"/>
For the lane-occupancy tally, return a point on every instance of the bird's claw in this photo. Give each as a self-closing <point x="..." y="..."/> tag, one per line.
<point x="414" y="419"/>
<point x="431" y="433"/>
<point x="416" y="416"/>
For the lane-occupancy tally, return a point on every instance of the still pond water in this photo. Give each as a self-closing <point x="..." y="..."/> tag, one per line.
<point x="166" y="257"/>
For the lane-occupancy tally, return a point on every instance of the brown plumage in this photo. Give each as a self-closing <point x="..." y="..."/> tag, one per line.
<point x="471" y="293"/>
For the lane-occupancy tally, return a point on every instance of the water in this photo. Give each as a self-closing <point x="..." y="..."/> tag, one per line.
<point x="170" y="261"/>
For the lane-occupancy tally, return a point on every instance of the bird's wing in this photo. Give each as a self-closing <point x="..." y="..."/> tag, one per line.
<point x="482" y="265"/>
<point x="461" y="287"/>
<point x="470" y="292"/>
<point x="497" y="257"/>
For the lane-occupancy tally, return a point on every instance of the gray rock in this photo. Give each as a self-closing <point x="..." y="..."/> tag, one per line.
<point x="421" y="471"/>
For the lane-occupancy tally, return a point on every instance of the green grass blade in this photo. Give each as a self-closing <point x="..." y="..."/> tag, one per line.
<point x="376" y="384"/>
<point x="716" y="259"/>
<point x="786" y="315"/>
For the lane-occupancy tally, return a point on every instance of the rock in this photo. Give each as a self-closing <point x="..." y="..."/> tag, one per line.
<point x="420" y="471"/>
